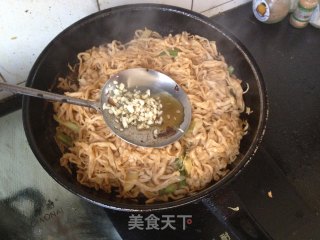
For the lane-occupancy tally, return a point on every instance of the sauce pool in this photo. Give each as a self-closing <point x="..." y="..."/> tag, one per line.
<point x="173" y="113"/>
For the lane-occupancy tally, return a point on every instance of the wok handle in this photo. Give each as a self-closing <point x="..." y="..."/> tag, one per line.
<point x="226" y="205"/>
<point x="48" y="95"/>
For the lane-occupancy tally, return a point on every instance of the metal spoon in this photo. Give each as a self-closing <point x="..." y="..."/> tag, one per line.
<point x="139" y="78"/>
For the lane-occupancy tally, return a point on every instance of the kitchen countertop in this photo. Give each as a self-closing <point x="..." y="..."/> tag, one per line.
<point x="288" y="59"/>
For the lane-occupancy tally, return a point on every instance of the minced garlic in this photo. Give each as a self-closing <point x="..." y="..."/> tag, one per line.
<point x="134" y="108"/>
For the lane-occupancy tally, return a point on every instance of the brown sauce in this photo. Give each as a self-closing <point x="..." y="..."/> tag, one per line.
<point x="173" y="113"/>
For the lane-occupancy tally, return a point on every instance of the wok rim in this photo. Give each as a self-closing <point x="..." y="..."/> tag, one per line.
<point x="210" y="189"/>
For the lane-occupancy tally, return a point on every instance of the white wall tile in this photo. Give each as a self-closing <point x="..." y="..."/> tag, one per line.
<point x="112" y="3"/>
<point x="224" y="7"/>
<point x="203" y="5"/>
<point x="26" y="27"/>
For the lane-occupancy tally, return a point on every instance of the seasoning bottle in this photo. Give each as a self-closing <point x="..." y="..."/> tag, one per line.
<point x="301" y="16"/>
<point x="315" y="18"/>
<point x="270" y="11"/>
<point x="293" y="5"/>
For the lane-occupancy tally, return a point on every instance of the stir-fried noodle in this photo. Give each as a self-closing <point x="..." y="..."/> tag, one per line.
<point x="104" y="161"/>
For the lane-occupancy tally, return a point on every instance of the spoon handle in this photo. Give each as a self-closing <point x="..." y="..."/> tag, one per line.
<point x="49" y="96"/>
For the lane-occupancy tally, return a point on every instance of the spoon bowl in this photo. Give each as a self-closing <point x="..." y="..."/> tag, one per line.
<point x="158" y="83"/>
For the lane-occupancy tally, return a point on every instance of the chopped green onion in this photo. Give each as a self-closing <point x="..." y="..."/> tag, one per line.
<point x="183" y="172"/>
<point x="230" y="69"/>
<point x="173" y="187"/>
<point x="71" y="125"/>
<point x="179" y="163"/>
<point x="169" y="189"/>
<point x="162" y="53"/>
<point x="182" y="183"/>
<point x="173" y="52"/>
<point x="181" y="166"/>
<point x="65" y="139"/>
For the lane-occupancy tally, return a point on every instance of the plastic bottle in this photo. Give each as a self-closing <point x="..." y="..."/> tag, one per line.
<point x="293" y="5"/>
<point x="301" y="16"/>
<point x="315" y="18"/>
<point x="270" y="11"/>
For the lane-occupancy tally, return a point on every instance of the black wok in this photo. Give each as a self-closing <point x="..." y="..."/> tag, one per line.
<point x="120" y="23"/>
